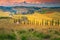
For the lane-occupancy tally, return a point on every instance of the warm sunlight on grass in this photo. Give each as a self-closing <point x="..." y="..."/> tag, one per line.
<point x="4" y="14"/>
<point x="10" y="30"/>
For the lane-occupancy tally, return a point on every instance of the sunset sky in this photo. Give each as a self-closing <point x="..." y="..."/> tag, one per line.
<point x="12" y="2"/>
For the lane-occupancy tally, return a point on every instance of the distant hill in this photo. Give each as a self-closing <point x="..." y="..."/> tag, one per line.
<point x="13" y="9"/>
<point x="32" y="9"/>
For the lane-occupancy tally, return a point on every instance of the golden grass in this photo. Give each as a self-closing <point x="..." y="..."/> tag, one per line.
<point x="8" y="23"/>
<point x="4" y="14"/>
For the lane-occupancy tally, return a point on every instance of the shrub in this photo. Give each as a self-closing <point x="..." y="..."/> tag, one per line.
<point x="30" y="30"/>
<point x="21" y="31"/>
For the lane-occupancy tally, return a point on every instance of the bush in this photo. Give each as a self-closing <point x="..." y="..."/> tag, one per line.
<point x="31" y="30"/>
<point x="22" y="31"/>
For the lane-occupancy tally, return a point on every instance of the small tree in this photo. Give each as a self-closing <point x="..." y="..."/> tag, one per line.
<point x="46" y="22"/>
<point x="52" y="22"/>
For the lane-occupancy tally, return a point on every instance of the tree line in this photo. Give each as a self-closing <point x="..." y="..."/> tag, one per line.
<point x="52" y="22"/>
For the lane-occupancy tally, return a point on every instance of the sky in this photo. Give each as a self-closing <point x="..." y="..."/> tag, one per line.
<point x="12" y="2"/>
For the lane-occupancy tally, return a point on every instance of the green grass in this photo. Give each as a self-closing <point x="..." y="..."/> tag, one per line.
<point x="7" y="36"/>
<point x="55" y="39"/>
<point x="30" y="34"/>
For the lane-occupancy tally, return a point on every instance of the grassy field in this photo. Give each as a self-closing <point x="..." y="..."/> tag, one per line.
<point x="29" y="34"/>
<point x="13" y="31"/>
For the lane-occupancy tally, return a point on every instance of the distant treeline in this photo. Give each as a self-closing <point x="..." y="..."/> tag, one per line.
<point x="42" y="22"/>
<point x="52" y="22"/>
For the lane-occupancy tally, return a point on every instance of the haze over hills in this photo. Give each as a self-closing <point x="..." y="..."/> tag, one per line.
<point x="45" y="4"/>
<point x="17" y="8"/>
<point x="17" y="2"/>
<point x="26" y="8"/>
